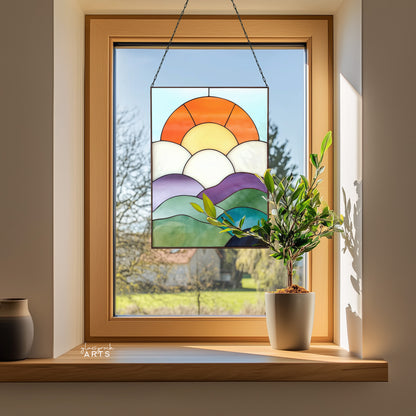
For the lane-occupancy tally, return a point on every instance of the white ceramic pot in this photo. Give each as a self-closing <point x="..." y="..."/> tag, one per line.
<point x="289" y="319"/>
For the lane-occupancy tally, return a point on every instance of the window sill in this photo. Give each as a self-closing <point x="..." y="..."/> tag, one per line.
<point x="195" y="362"/>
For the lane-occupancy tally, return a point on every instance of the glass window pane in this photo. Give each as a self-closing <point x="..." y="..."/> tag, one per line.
<point x="198" y="281"/>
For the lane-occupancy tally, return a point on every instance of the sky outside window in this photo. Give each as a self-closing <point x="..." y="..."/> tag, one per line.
<point x="193" y="281"/>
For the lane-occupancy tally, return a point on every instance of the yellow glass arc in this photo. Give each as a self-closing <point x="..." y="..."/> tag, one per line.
<point x="209" y="136"/>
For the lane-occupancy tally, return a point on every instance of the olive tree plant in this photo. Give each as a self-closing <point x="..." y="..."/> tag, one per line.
<point x="298" y="217"/>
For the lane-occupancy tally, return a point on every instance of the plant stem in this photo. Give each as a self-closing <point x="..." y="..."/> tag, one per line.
<point x="290" y="273"/>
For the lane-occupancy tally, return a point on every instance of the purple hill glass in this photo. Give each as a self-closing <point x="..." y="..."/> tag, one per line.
<point x="231" y="184"/>
<point x="172" y="185"/>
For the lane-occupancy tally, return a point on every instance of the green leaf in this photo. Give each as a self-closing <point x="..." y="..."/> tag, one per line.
<point x="268" y="181"/>
<point x="320" y="170"/>
<point x="314" y="160"/>
<point x="297" y="193"/>
<point x="276" y="228"/>
<point x="267" y="228"/>
<point x="304" y="205"/>
<point x="209" y="206"/>
<point x="215" y="222"/>
<point x="261" y="179"/>
<point x="229" y="216"/>
<point x="305" y="181"/>
<point x="326" y="143"/>
<point x="311" y="246"/>
<point x="239" y="234"/>
<point x="311" y="210"/>
<point x="197" y="207"/>
<point x="225" y="221"/>
<point x="279" y="196"/>
<point x="240" y="224"/>
<point x="316" y="201"/>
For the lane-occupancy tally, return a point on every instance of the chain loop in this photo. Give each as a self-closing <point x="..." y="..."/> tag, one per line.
<point x="170" y="42"/>
<point x="249" y="44"/>
<point x="174" y="32"/>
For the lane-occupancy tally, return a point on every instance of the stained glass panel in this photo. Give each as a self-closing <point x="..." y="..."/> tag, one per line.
<point x="212" y="141"/>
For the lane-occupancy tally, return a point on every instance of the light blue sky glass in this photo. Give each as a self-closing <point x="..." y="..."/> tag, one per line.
<point x="166" y="100"/>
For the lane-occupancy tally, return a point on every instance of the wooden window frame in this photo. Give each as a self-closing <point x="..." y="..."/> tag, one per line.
<point x="101" y="33"/>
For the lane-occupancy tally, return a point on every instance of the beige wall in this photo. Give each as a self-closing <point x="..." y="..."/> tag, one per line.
<point x="389" y="171"/>
<point x="68" y="134"/>
<point x="211" y="6"/>
<point x="26" y="161"/>
<point x="348" y="180"/>
<point x="389" y="64"/>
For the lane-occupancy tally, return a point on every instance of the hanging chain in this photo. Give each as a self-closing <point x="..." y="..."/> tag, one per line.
<point x="170" y="42"/>
<point x="176" y="27"/>
<point x="249" y="44"/>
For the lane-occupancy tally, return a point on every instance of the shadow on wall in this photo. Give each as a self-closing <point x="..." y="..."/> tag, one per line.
<point x="352" y="244"/>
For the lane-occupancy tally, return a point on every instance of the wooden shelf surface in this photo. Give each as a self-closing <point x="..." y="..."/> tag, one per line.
<point x="195" y="362"/>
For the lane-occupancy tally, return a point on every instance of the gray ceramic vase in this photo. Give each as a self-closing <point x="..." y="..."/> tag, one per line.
<point x="16" y="329"/>
<point x="289" y="319"/>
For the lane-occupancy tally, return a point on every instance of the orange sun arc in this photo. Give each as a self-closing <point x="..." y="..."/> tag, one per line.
<point x="209" y="110"/>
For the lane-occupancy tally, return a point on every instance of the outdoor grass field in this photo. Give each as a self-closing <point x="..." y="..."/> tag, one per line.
<point x="245" y="301"/>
